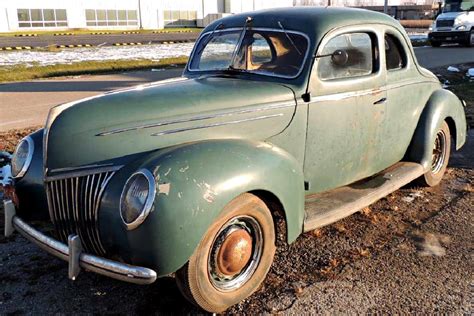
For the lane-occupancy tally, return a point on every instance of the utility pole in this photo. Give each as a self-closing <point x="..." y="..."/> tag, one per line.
<point x="385" y="6"/>
<point x="140" y="14"/>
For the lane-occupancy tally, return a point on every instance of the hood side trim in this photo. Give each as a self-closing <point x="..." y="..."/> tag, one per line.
<point x="196" y="118"/>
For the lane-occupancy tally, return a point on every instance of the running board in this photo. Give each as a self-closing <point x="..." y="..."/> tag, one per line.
<point x="328" y="207"/>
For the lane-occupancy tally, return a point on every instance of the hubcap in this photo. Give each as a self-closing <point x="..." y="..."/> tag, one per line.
<point x="439" y="152"/>
<point x="235" y="253"/>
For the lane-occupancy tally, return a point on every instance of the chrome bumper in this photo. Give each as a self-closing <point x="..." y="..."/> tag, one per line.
<point x="72" y="253"/>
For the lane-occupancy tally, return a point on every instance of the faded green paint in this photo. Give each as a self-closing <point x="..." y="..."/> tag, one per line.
<point x="441" y="105"/>
<point x="179" y="101"/>
<point x="195" y="182"/>
<point x="218" y="137"/>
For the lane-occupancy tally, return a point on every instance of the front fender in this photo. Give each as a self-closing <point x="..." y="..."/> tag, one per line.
<point x="443" y="105"/>
<point x="195" y="181"/>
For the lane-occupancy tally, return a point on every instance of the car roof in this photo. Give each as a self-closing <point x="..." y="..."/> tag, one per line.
<point x="314" y="21"/>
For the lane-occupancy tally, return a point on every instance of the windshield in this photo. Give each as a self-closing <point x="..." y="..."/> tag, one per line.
<point x="266" y="52"/>
<point x="458" y="5"/>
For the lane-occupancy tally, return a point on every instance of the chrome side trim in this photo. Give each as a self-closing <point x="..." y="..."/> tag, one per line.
<point x="197" y="118"/>
<point x="305" y="59"/>
<point x="113" y="269"/>
<point x="179" y="130"/>
<point x="346" y="95"/>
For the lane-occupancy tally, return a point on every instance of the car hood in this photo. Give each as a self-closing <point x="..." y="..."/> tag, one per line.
<point x="119" y="124"/>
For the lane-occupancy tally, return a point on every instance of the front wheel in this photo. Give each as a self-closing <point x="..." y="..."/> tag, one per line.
<point x="233" y="258"/>
<point x="439" y="157"/>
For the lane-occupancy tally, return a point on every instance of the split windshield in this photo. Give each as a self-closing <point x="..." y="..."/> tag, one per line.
<point x="458" y="5"/>
<point x="266" y="52"/>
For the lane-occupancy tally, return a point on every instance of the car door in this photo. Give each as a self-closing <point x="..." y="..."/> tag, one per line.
<point x="405" y="94"/>
<point x="346" y="109"/>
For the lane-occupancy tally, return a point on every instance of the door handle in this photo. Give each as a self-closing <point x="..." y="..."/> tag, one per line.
<point x="381" y="101"/>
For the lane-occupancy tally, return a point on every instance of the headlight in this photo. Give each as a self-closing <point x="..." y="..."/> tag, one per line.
<point x="461" y="28"/>
<point x="22" y="157"/>
<point x="137" y="198"/>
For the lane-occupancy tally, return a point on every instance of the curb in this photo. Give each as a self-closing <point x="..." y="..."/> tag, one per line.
<point x="100" y="33"/>
<point x="26" y="35"/>
<point x="127" y="44"/>
<point x="73" y="46"/>
<point x="176" y="42"/>
<point x="16" y="48"/>
<point x="157" y="32"/>
<point x="130" y="32"/>
<point x="63" y="34"/>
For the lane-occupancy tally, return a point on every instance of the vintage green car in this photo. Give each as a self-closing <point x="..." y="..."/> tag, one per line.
<point x="298" y="117"/>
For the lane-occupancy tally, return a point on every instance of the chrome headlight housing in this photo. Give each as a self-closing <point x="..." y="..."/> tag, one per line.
<point x="22" y="157"/>
<point x="136" y="200"/>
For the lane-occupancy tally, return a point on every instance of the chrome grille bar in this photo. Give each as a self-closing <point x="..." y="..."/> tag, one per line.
<point x="74" y="205"/>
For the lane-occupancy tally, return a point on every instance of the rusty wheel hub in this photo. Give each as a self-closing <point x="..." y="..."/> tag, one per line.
<point x="235" y="253"/>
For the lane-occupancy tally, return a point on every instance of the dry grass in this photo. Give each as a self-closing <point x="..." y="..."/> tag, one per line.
<point x="22" y="72"/>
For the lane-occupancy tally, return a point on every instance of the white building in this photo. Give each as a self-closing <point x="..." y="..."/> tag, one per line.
<point x="19" y="15"/>
<point x="24" y="15"/>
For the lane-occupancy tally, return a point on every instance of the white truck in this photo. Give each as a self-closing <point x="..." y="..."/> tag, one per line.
<point x="454" y="25"/>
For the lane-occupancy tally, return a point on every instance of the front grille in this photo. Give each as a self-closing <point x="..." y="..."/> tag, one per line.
<point x="444" y="23"/>
<point x="73" y="207"/>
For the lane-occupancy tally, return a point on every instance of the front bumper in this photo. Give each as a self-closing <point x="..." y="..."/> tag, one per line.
<point x="72" y="253"/>
<point x="448" y="36"/>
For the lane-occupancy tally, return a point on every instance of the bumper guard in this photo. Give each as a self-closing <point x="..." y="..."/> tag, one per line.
<point x="72" y="253"/>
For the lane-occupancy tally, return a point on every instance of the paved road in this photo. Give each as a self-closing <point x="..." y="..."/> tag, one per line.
<point x="94" y="40"/>
<point x="26" y="104"/>
<point x="443" y="56"/>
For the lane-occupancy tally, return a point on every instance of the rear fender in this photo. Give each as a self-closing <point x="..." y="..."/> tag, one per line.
<point x="443" y="105"/>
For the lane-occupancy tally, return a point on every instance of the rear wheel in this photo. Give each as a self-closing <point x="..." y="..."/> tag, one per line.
<point x="439" y="157"/>
<point x="233" y="258"/>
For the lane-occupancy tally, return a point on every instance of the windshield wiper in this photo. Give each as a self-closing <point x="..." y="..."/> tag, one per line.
<point x="289" y="38"/>
<point x="239" y="43"/>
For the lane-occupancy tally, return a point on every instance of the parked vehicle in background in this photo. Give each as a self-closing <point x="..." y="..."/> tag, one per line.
<point x="284" y="121"/>
<point x="454" y="25"/>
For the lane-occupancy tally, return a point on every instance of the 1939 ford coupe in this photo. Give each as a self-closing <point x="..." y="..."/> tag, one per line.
<point x="304" y="114"/>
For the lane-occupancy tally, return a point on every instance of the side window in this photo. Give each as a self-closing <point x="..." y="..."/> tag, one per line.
<point x="347" y="56"/>
<point x="395" y="55"/>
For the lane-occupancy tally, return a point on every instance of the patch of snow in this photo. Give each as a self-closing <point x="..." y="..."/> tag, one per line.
<point x="453" y="69"/>
<point x="104" y="53"/>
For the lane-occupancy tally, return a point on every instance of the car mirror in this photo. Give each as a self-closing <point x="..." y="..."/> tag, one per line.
<point x="339" y="57"/>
